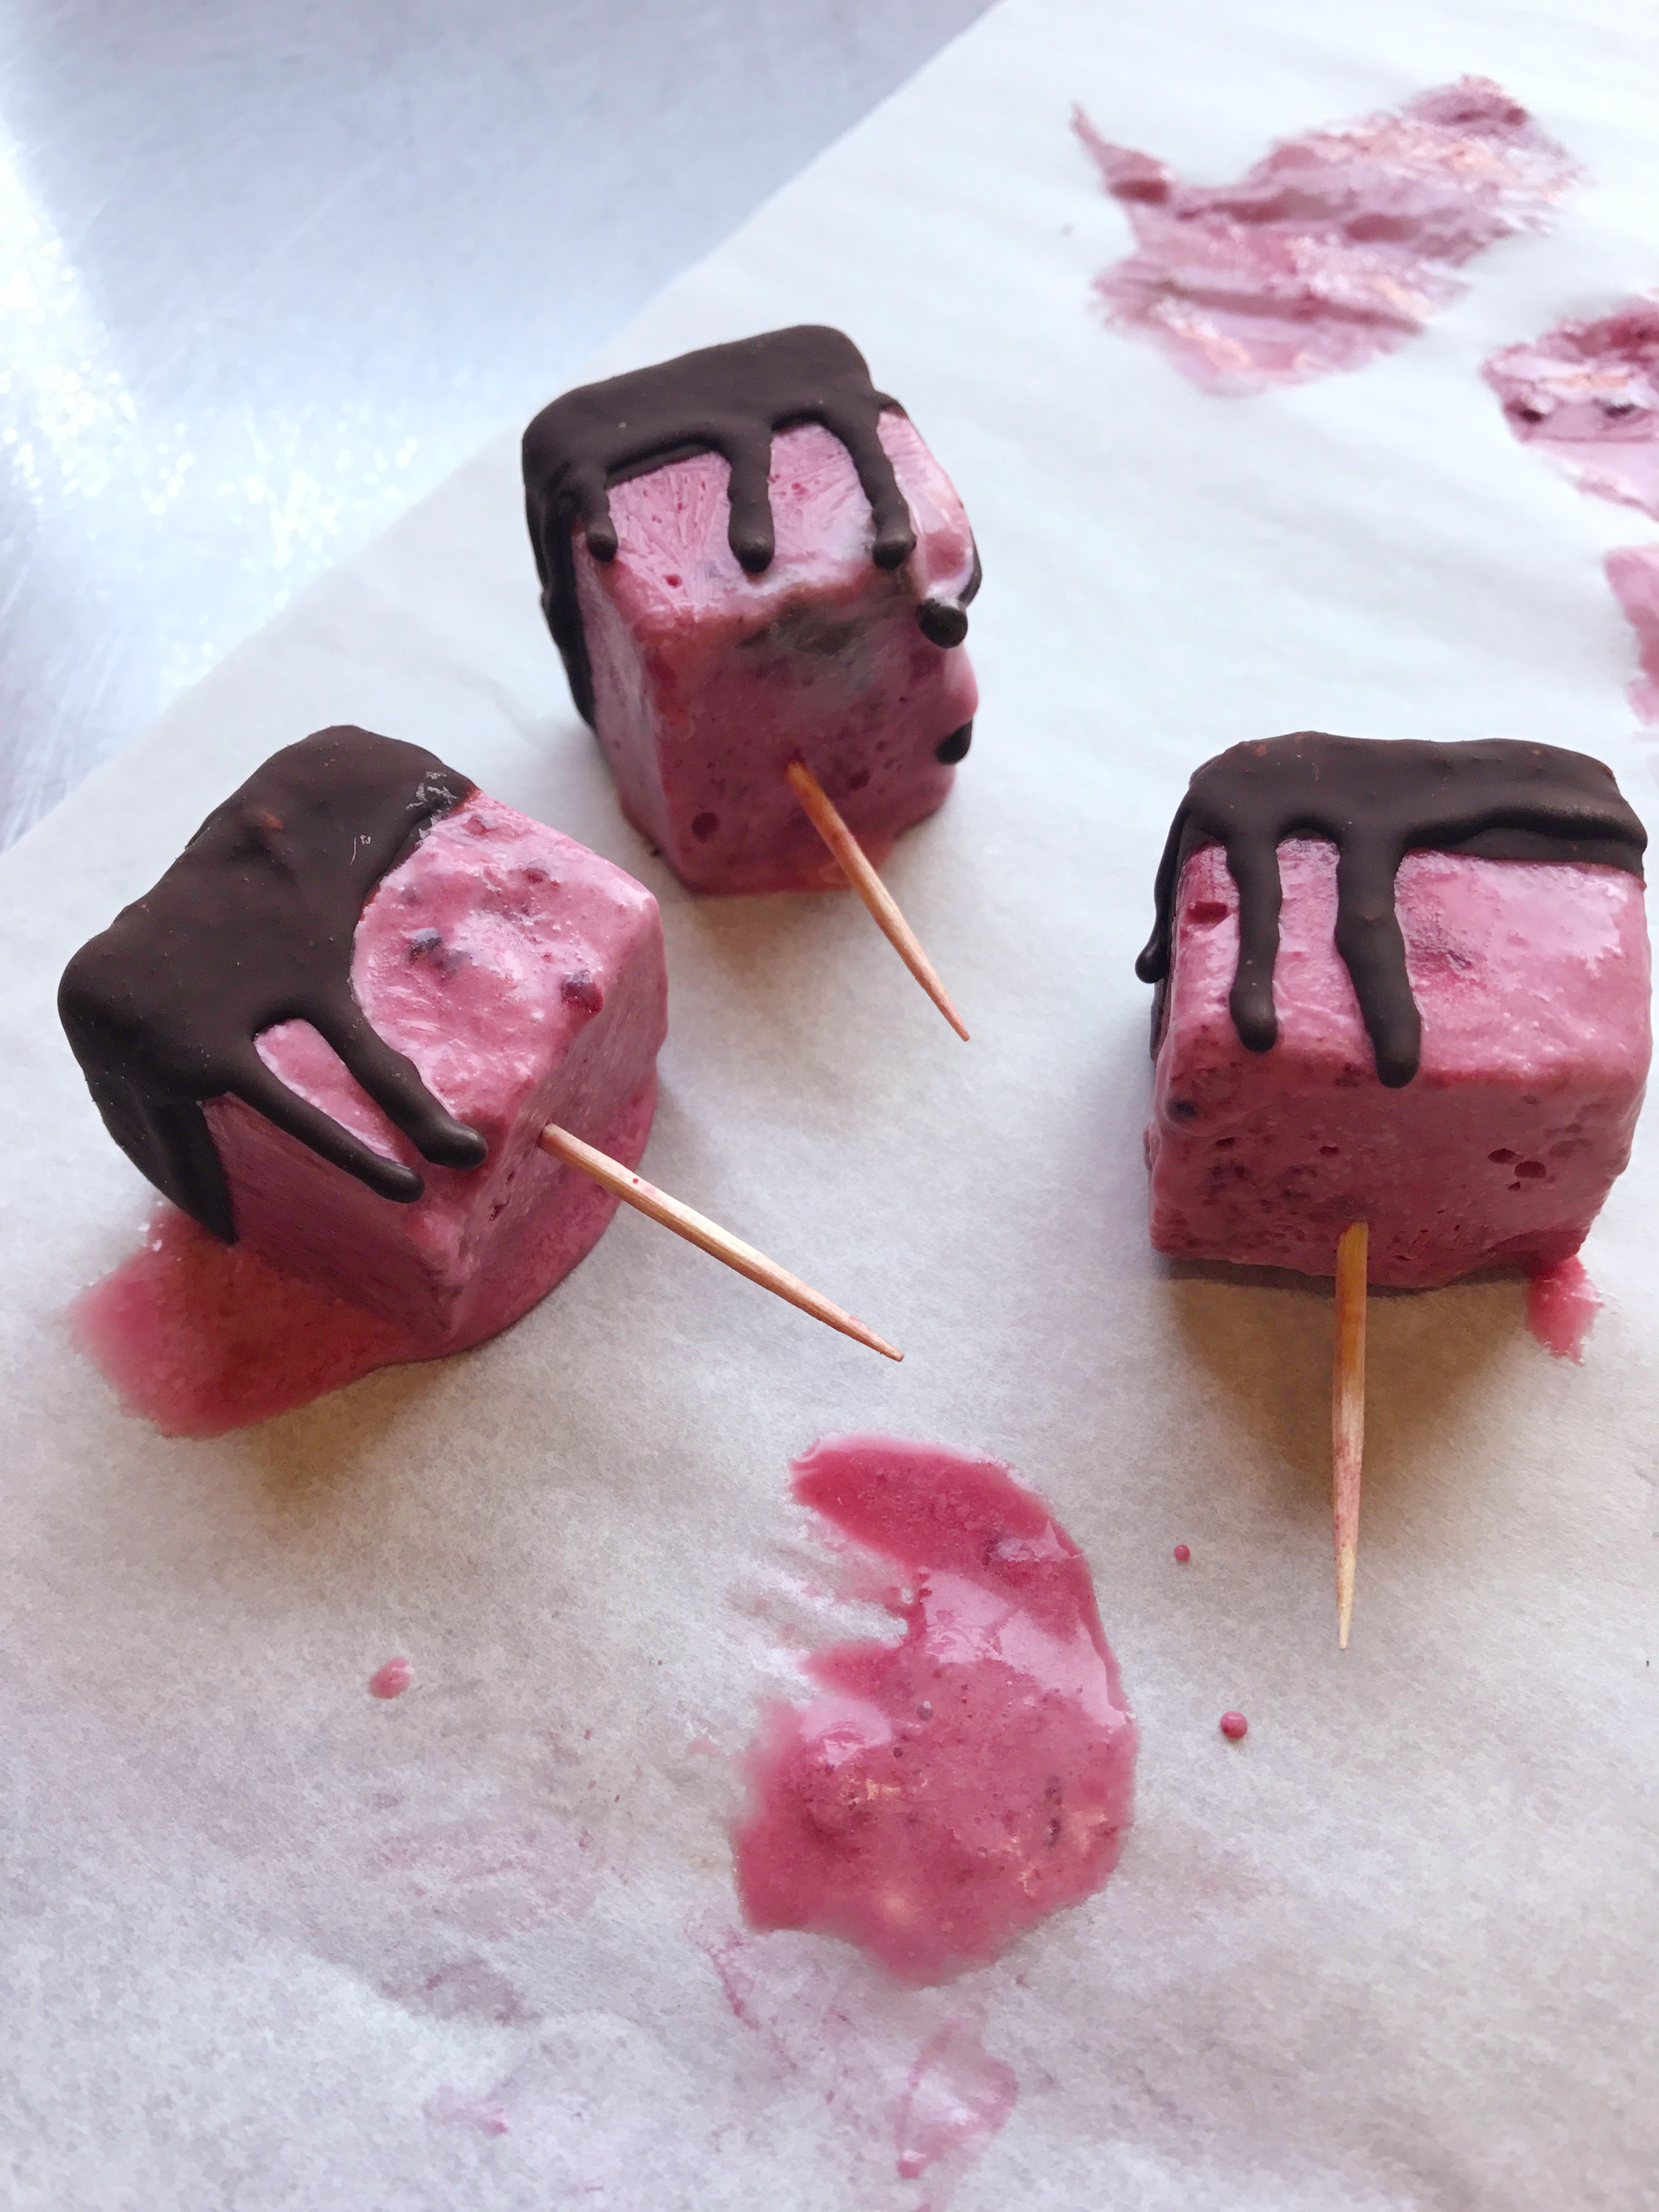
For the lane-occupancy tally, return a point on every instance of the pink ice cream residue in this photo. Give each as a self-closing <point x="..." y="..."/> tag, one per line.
<point x="1334" y="248"/>
<point x="1633" y="573"/>
<point x="200" y="1337"/>
<point x="904" y="2072"/>
<point x="1562" y="1305"/>
<point x="1586" y="397"/>
<point x="391" y="1680"/>
<point x="956" y="2099"/>
<point x="943" y="1795"/>
<point x="449" y="2108"/>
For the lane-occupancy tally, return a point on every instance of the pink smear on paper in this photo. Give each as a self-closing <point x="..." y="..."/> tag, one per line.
<point x="200" y="1337"/>
<point x="391" y="1680"/>
<point x="491" y="1876"/>
<point x="904" y="2071"/>
<point x="1633" y="573"/>
<point x="1335" y="248"/>
<point x="944" y="1793"/>
<point x="1586" y="396"/>
<point x="1562" y="1305"/>
<point x="956" y="2099"/>
<point x="448" y="2108"/>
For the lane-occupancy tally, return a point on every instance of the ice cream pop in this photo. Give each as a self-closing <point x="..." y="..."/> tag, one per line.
<point x="1401" y="984"/>
<point x="758" y="577"/>
<point x="368" y="1024"/>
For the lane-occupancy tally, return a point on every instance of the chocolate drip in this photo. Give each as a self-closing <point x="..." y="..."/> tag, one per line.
<point x="728" y="399"/>
<point x="253" y="924"/>
<point x="1376" y="801"/>
<point x="944" y="622"/>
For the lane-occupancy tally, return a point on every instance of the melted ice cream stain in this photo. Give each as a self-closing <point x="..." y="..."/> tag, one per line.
<point x="200" y="1337"/>
<point x="944" y="1793"/>
<point x="898" y="2072"/>
<point x="1562" y="1305"/>
<point x="956" y="2099"/>
<point x="449" y="2108"/>
<point x="1586" y="396"/>
<point x="1336" y="247"/>
<point x="1633" y="573"/>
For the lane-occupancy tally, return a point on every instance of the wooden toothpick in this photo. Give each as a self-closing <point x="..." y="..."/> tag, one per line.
<point x="634" y="1190"/>
<point x="870" y="888"/>
<point x="1348" y="1413"/>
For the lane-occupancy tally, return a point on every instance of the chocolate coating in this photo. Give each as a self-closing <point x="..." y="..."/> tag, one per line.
<point x="1375" y="800"/>
<point x="728" y="399"/>
<point x="253" y="924"/>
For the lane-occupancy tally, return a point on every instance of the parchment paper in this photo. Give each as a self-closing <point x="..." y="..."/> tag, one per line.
<point x="275" y="1944"/>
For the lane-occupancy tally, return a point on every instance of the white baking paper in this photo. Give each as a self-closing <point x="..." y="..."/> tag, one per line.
<point x="273" y="1943"/>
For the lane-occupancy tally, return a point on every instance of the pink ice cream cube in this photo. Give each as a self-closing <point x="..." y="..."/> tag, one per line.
<point x="1532" y="979"/>
<point x="708" y="681"/>
<point x="523" y="976"/>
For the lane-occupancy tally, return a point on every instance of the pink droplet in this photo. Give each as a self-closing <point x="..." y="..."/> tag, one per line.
<point x="1182" y="1553"/>
<point x="1234" y="1725"/>
<point x="391" y="1680"/>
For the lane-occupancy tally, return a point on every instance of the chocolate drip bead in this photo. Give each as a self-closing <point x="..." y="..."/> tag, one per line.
<point x="1375" y="800"/>
<point x="253" y="924"/>
<point x="728" y="399"/>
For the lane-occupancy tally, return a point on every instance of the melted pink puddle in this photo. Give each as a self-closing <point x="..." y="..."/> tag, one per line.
<point x="1334" y="248"/>
<point x="944" y="1793"/>
<point x="200" y="1337"/>
<point x="1562" y="1305"/>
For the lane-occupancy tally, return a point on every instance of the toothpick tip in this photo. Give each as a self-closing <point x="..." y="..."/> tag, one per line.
<point x="1348" y="1413"/>
<point x="1345" y="1561"/>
